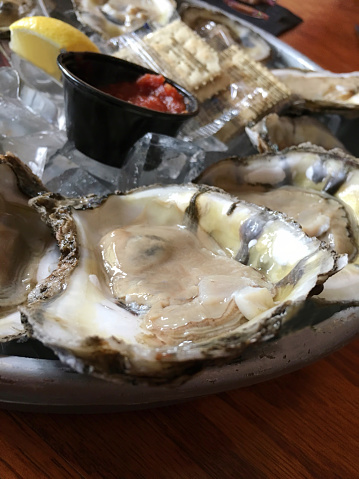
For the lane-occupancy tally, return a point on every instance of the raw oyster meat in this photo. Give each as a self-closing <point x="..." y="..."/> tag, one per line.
<point x="276" y="133"/>
<point x="112" y="18"/>
<point x="319" y="188"/>
<point x="221" y="31"/>
<point x="169" y="280"/>
<point x="323" y="90"/>
<point x="27" y="247"/>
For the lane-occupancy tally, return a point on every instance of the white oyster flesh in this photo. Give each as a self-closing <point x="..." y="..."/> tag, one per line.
<point x="221" y="31"/>
<point x="167" y="274"/>
<point x="28" y="252"/>
<point x="344" y="286"/>
<point x="112" y="18"/>
<point x="171" y="279"/>
<point x="323" y="89"/>
<point x="320" y="215"/>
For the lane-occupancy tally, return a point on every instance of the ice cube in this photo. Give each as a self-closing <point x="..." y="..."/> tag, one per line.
<point x="161" y="159"/>
<point x="10" y="82"/>
<point x="92" y="177"/>
<point x="77" y="182"/>
<point x="34" y="77"/>
<point x="34" y="149"/>
<point x="105" y="173"/>
<point x="17" y="120"/>
<point x="49" y="107"/>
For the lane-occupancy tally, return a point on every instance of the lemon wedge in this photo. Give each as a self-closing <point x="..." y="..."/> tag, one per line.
<point x="40" y="40"/>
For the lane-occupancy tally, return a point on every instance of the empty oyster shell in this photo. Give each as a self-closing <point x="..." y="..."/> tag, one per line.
<point x="169" y="279"/>
<point x="27" y="247"/>
<point x="278" y="180"/>
<point x="221" y="31"/>
<point x="276" y="133"/>
<point x="323" y="90"/>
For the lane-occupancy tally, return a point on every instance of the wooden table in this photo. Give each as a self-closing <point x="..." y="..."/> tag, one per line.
<point x="303" y="425"/>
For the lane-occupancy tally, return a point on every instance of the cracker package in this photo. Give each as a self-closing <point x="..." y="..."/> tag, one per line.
<point x="233" y="90"/>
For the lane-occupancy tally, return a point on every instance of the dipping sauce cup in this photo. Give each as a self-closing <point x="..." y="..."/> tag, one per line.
<point x="102" y="126"/>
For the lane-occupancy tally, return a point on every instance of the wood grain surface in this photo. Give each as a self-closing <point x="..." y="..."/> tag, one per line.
<point x="327" y="34"/>
<point x="302" y="425"/>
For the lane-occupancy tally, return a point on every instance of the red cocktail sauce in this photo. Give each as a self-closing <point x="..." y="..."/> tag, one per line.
<point x="150" y="91"/>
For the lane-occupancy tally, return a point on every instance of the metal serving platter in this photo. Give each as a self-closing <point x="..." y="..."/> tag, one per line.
<point x="31" y="378"/>
<point x="47" y="385"/>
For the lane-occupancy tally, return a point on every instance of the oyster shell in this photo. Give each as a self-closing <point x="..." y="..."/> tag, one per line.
<point x="169" y="279"/>
<point x="323" y="90"/>
<point x="276" y="133"/>
<point x="10" y="11"/>
<point x="269" y="177"/>
<point x="112" y="18"/>
<point x="27" y="247"/>
<point x="221" y="31"/>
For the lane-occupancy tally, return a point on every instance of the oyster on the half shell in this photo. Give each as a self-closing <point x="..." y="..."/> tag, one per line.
<point x="276" y="133"/>
<point x="27" y="248"/>
<point x="221" y="31"/>
<point x="318" y="188"/>
<point x="112" y="18"/>
<point x="322" y="90"/>
<point x="169" y="280"/>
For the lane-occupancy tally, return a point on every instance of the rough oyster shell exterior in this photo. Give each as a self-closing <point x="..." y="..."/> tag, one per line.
<point x="85" y="340"/>
<point x="275" y="133"/>
<point x="24" y="242"/>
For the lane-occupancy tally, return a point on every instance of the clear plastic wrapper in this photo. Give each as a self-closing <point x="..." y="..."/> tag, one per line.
<point x="233" y="89"/>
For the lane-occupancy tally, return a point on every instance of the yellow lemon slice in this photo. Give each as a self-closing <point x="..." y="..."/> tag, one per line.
<point x="40" y="40"/>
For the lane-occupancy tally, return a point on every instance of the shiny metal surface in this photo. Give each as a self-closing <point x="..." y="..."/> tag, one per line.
<point x="28" y="383"/>
<point x="45" y="384"/>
